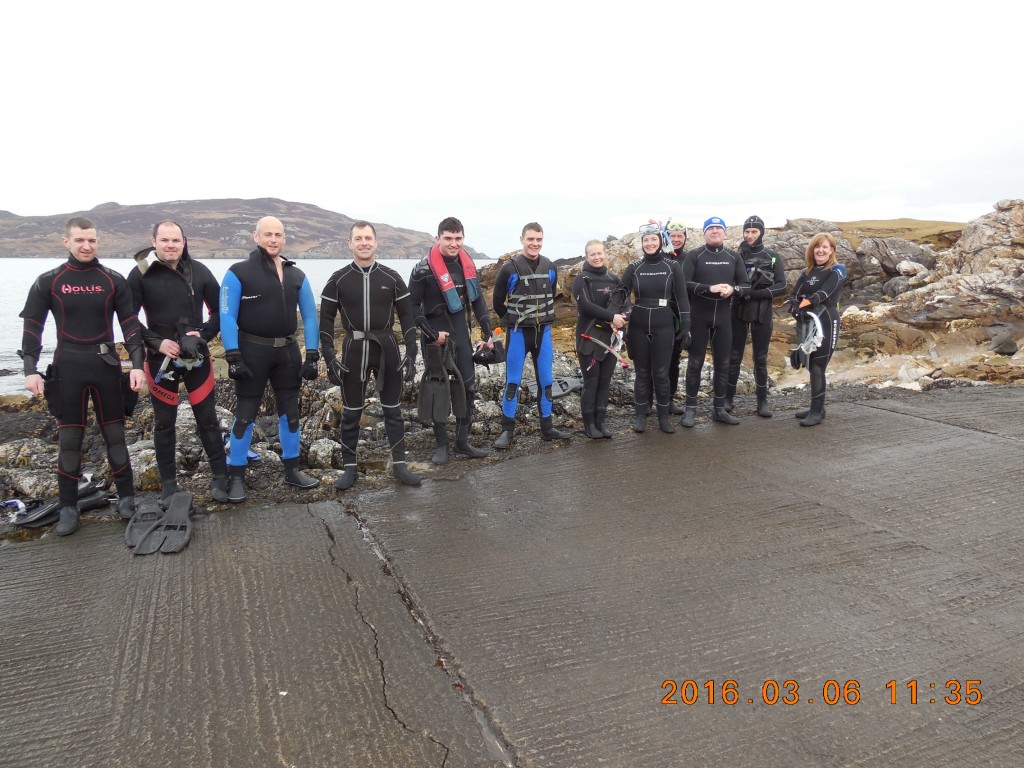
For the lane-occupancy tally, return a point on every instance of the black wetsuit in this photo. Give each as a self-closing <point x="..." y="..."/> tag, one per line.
<point x="367" y="299"/>
<point x="822" y="287"/>
<point x="429" y="304"/>
<point x="599" y="296"/>
<point x="83" y="297"/>
<point x="678" y="256"/>
<point x="711" y="317"/>
<point x="752" y="314"/>
<point x="660" y="308"/>
<point x="258" y="317"/>
<point x="173" y="296"/>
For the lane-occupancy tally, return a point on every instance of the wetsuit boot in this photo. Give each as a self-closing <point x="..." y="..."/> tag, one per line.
<point x="394" y="428"/>
<point x="549" y="432"/>
<point x="508" y="431"/>
<point x="640" y="416"/>
<point x="219" y="488"/>
<point x="294" y="476"/>
<point x="721" y="415"/>
<point x="126" y="508"/>
<point x="236" y="485"/>
<point x="812" y="419"/>
<point x="167" y="490"/>
<point x="806" y="412"/>
<point x="690" y="416"/>
<point x="347" y="478"/>
<point x="762" y="407"/>
<point x="462" y="446"/>
<point x="590" y="429"/>
<point x="730" y="395"/>
<point x="676" y="409"/>
<point x="441" y="438"/>
<point x="664" y="420"/>
<point x="69" y="522"/>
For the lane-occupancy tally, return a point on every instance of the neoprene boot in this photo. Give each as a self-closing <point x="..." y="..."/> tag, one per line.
<point x="728" y="405"/>
<point x="730" y="396"/>
<point x="441" y="438"/>
<point x="690" y="416"/>
<point x="806" y="412"/>
<point x="219" y="488"/>
<point x="549" y="432"/>
<point x="812" y="419"/>
<point x="126" y="507"/>
<point x="721" y="415"/>
<point x="599" y="423"/>
<point x="762" y="407"/>
<point x="236" y="484"/>
<point x="508" y="431"/>
<point x="676" y="409"/>
<point x="294" y="476"/>
<point x="590" y="429"/>
<point x="462" y="445"/>
<point x="70" y="519"/>
<point x="347" y="478"/>
<point x="664" y="420"/>
<point x="170" y="487"/>
<point x="402" y="472"/>
<point x="640" y="416"/>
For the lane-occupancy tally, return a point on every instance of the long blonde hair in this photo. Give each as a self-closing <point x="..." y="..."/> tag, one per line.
<point x="815" y="242"/>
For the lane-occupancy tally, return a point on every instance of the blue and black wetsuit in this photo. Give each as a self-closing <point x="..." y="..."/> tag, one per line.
<point x="367" y="299"/>
<point x="711" y="315"/>
<point x="258" y="318"/>
<point x="174" y="299"/>
<point x="83" y="298"/>
<point x="524" y="299"/>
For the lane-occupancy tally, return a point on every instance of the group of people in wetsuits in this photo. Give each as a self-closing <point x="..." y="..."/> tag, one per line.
<point x="672" y="300"/>
<point x="665" y="302"/>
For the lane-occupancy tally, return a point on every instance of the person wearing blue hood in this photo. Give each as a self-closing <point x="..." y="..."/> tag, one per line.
<point x="713" y="275"/>
<point x="752" y="312"/>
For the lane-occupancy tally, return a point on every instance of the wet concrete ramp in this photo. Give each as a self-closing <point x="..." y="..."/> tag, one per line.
<point x="885" y="545"/>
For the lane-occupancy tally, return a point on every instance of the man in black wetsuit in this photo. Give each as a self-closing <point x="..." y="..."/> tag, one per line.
<point x="368" y="294"/>
<point x="441" y="288"/>
<point x="258" y="303"/>
<point x="173" y="289"/>
<point x="83" y="295"/>
<point x="713" y="275"/>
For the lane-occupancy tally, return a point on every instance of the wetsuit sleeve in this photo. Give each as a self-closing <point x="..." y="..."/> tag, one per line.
<point x="553" y="278"/>
<point x="211" y="327"/>
<point x="151" y="339"/>
<point x="480" y="311"/>
<point x="128" y="318"/>
<point x="328" y="312"/>
<point x="779" y="285"/>
<point x="37" y="305"/>
<point x="230" y="298"/>
<point x="307" y="308"/>
<point x="682" y="296"/>
<point x="740" y="281"/>
<point x="831" y="285"/>
<point x="403" y="307"/>
<point x="501" y="289"/>
<point x="689" y="270"/>
<point x="794" y="297"/>
<point x="417" y="288"/>
<point x="586" y="302"/>
<point x="627" y="280"/>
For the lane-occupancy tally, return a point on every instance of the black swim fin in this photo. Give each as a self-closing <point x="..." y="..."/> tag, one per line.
<point x="145" y="517"/>
<point x="38" y="515"/>
<point x="171" y="531"/>
<point x="435" y="395"/>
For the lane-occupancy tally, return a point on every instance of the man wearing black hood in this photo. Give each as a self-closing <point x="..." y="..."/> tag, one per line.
<point x="173" y="288"/>
<point x="752" y="312"/>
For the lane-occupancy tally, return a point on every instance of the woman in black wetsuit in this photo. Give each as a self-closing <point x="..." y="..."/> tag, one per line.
<point x="817" y="290"/>
<point x="659" y="321"/>
<point x="599" y="298"/>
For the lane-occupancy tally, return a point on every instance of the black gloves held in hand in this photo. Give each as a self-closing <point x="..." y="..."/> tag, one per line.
<point x="309" y="368"/>
<point x="237" y="370"/>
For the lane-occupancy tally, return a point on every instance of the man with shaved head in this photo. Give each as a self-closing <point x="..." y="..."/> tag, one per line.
<point x="258" y="302"/>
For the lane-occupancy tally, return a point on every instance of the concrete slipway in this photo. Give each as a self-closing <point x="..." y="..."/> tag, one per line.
<point x="531" y="611"/>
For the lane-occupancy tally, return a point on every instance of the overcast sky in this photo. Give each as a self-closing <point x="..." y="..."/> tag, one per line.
<point x="587" y="117"/>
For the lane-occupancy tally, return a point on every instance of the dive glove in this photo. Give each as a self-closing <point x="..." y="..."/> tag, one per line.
<point x="309" y="368"/>
<point x="237" y="370"/>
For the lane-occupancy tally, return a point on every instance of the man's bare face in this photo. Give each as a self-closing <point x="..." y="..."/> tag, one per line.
<point x="82" y="243"/>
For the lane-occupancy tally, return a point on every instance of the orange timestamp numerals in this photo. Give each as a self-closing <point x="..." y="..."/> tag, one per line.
<point x="788" y="692"/>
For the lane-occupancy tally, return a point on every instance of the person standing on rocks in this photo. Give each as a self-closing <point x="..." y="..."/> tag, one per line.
<point x="677" y="237"/>
<point x="659" y="322"/>
<point x="83" y="296"/>
<point x="368" y="295"/>
<point x="752" y="312"/>
<point x="174" y="289"/>
<point x="713" y="275"/>
<point x="600" y="300"/>
<point x="817" y="290"/>
<point x="442" y="286"/>
<point x="259" y="300"/>
<point x="524" y="300"/>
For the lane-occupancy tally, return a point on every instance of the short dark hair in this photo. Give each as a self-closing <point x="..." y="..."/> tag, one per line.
<point x="171" y="223"/>
<point x="360" y="225"/>
<point x="451" y="224"/>
<point x="77" y="222"/>
<point x="534" y="226"/>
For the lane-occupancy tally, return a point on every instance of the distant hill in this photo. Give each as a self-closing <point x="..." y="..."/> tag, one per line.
<point x="216" y="229"/>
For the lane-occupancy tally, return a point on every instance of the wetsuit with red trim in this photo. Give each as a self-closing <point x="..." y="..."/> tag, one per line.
<point x="83" y="298"/>
<point x="174" y="299"/>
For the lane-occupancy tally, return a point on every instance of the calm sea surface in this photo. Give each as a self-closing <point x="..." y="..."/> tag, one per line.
<point x="19" y="274"/>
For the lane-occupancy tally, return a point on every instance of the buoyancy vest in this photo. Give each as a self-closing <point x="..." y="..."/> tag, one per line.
<point x="451" y="294"/>
<point x="532" y="299"/>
